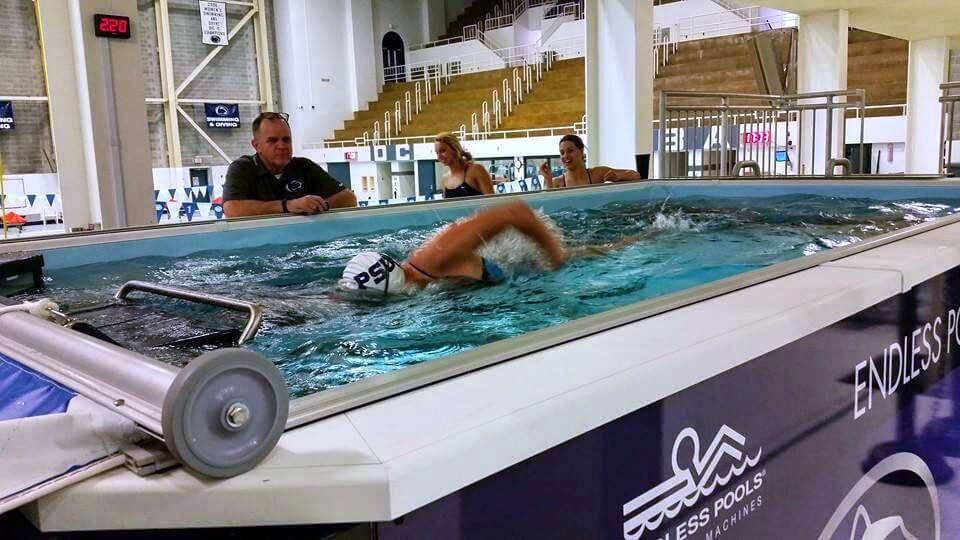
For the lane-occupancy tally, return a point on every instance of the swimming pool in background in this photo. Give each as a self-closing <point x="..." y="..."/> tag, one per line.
<point x="687" y="237"/>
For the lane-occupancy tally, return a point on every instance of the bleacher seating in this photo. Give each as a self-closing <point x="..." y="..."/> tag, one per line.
<point x="363" y="120"/>
<point x="720" y="64"/>
<point x="558" y="100"/>
<point x="473" y="14"/>
<point x="876" y="63"/>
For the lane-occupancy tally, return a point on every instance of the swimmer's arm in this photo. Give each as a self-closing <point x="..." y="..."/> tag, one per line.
<point x="598" y="250"/>
<point x="461" y="240"/>
<point x="608" y="174"/>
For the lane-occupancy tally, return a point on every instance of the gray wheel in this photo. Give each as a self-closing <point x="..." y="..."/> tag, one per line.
<point x="225" y="411"/>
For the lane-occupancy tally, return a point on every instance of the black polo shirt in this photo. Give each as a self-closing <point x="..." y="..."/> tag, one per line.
<point x="248" y="180"/>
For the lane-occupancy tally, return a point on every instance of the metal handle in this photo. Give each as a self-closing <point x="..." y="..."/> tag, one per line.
<point x="833" y="163"/>
<point x="746" y="164"/>
<point x="254" y="310"/>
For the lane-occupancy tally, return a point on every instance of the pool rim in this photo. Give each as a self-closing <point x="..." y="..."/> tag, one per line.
<point x="333" y="401"/>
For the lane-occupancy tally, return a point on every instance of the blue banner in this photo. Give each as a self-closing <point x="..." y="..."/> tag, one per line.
<point x="6" y="116"/>
<point x="222" y="115"/>
<point x="852" y="431"/>
<point x="25" y="393"/>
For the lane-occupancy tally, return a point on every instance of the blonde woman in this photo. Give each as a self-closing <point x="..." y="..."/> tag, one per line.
<point x="466" y="178"/>
<point x="576" y="172"/>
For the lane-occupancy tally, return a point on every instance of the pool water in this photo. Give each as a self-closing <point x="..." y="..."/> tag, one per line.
<point x="323" y="340"/>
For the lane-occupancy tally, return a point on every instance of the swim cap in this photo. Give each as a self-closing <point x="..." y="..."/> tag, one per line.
<point x="373" y="272"/>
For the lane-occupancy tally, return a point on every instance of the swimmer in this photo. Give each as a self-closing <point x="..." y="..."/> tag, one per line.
<point x="466" y="178"/>
<point x="576" y="173"/>
<point x="452" y="253"/>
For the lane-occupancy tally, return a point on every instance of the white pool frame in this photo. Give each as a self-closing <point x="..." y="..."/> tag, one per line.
<point x="454" y="421"/>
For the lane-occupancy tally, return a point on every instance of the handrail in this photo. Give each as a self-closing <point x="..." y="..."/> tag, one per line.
<point x="745" y="164"/>
<point x="463" y="134"/>
<point x="832" y="165"/>
<point x="704" y="25"/>
<point x="254" y="311"/>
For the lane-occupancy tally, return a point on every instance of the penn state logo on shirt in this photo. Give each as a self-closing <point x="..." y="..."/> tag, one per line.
<point x="295" y="185"/>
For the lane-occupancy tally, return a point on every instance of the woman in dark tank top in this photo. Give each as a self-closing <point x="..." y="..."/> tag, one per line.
<point x="576" y="172"/>
<point x="466" y="178"/>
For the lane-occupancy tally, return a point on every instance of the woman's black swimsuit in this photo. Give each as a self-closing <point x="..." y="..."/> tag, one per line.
<point x="463" y="190"/>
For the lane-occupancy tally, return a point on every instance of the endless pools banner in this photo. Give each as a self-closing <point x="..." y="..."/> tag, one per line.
<point x="850" y="432"/>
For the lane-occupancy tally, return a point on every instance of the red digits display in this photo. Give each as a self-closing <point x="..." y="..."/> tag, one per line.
<point x="112" y="26"/>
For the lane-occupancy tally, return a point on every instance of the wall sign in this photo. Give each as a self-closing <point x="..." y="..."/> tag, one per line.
<point x="6" y="116"/>
<point x="222" y="115"/>
<point x="111" y="26"/>
<point x="213" y="22"/>
<point x="350" y="156"/>
<point x="756" y="137"/>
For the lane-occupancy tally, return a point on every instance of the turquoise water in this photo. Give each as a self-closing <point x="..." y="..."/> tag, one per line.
<point x="323" y="340"/>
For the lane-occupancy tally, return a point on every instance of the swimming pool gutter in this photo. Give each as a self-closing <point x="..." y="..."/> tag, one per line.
<point x="334" y="401"/>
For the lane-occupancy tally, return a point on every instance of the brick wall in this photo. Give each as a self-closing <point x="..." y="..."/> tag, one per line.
<point x="29" y="147"/>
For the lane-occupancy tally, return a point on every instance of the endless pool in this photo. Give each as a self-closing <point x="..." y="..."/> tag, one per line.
<point x="606" y="423"/>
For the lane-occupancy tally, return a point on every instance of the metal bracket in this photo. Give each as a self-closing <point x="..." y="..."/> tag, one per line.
<point x="254" y="311"/>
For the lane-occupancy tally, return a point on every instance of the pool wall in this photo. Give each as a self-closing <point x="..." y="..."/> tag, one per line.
<point x="76" y="250"/>
<point x="772" y="372"/>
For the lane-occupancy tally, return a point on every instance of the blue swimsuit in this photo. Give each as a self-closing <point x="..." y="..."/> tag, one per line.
<point x="491" y="272"/>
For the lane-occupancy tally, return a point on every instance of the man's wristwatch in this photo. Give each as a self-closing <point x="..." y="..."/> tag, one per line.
<point x="283" y="205"/>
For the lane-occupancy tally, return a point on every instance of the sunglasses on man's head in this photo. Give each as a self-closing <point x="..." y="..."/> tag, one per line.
<point x="275" y="116"/>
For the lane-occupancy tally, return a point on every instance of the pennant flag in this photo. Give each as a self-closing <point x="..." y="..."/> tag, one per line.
<point x="188" y="192"/>
<point x="364" y="203"/>
<point x="411" y="199"/>
<point x="203" y="190"/>
<point x="204" y="208"/>
<point x="190" y="208"/>
<point x="536" y="183"/>
<point x="159" y="208"/>
<point x="429" y="196"/>
<point x="384" y="201"/>
<point x="156" y="195"/>
<point x="173" y="193"/>
<point x="174" y="207"/>
<point x="31" y="199"/>
<point x="523" y="185"/>
<point x="501" y="188"/>
<point x="50" y="198"/>
<point x="218" y="210"/>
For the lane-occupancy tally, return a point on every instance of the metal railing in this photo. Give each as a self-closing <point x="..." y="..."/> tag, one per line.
<point x="748" y="20"/>
<point x="572" y="47"/>
<point x="709" y="133"/>
<point x="463" y="133"/>
<point x="950" y="96"/>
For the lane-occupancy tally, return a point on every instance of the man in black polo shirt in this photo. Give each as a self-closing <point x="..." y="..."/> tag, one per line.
<point x="272" y="181"/>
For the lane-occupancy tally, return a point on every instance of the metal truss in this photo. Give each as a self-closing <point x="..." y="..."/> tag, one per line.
<point x="172" y="91"/>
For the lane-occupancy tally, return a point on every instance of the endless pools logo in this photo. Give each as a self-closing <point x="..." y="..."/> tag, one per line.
<point x="692" y="481"/>
<point x="863" y="527"/>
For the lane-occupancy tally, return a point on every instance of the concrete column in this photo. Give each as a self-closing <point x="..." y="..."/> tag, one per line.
<point x="929" y="68"/>
<point x="67" y="91"/>
<point x="619" y="77"/>
<point x="822" y="67"/>
<point x="97" y="114"/>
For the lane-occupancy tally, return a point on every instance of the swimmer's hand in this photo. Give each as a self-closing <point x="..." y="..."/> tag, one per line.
<point x="308" y="204"/>
<point x="558" y="258"/>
